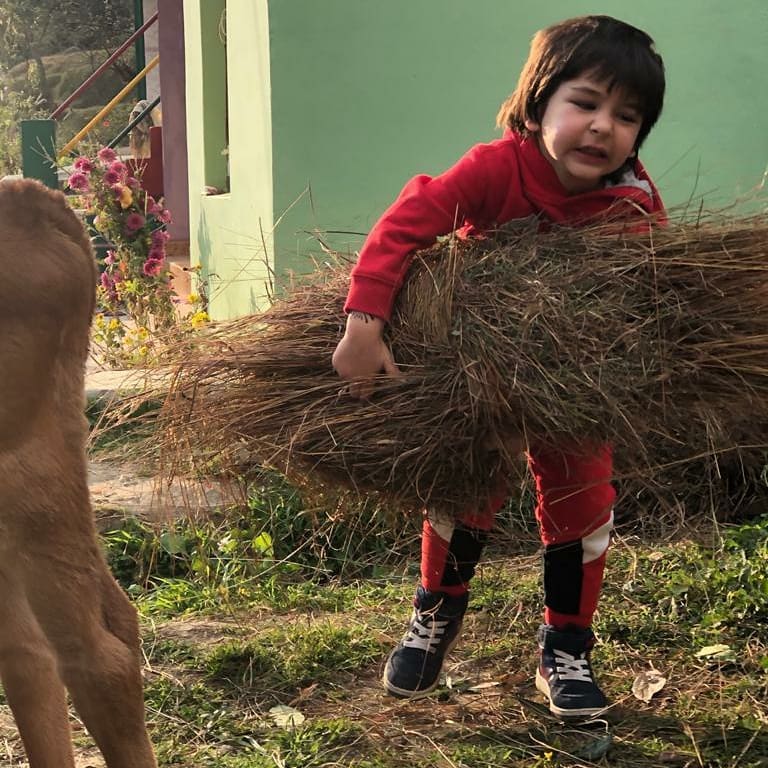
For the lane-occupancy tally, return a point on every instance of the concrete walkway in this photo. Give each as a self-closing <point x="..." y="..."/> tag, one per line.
<point x="101" y="381"/>
<point x="123" y="488"/>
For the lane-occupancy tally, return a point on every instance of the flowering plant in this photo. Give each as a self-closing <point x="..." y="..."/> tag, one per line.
<point x="135" y="281"/>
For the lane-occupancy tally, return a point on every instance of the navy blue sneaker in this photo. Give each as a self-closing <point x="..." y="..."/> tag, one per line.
<point x="564" y="674"/>
<point x="413" y="668"/>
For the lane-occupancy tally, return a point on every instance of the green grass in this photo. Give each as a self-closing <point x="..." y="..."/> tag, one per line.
<point x="295" y="656"/>
<point x="318" y="646"/>
<point x="284" y="603"/>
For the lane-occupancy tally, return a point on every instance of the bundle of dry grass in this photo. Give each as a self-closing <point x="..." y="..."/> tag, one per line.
<point x="557" y="338"/>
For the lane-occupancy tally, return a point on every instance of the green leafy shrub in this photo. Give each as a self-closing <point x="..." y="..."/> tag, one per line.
<point x="735" y="578"/>
<point x="333" y="535"/>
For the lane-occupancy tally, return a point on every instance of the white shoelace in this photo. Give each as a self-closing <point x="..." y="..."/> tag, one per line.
<point x="425" y="637"/>
<point x="571" y="667"/>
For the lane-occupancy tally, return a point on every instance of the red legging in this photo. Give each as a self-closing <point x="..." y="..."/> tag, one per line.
<point x="575" y="514"/>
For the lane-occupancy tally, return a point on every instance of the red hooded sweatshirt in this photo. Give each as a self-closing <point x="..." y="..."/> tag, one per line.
<point x="490" y="185"/>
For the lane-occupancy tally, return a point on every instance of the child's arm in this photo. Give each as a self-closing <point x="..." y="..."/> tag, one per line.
<point x="425" y="209"/>
<point x="362" y="353"/>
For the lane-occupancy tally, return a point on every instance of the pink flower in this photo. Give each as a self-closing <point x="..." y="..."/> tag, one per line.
<point x="152" y="267"/>
<point x="107" y="155"/>
<point x="78" y="181"/>
<point x="134" y="221"/>
<point x="110" y="257"/>
<point x="120" y="168"/>
<point x="111" y="177"/>
<point x="106" y="281"/>
<point x="154" y="207"/>
<point x="160" y="237"/>
<point x="156" y="253"/>
<point x="165" y="216"/>
<point x="83" y="164"/>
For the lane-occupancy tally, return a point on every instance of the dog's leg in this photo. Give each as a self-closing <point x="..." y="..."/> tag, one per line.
<point x="32" y="686"/>
<point x="94" y="632"/>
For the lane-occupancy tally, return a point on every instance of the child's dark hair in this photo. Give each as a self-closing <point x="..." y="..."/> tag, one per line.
<point x="605" y="47"/>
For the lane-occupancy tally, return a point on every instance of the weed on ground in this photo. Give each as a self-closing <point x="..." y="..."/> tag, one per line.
<point x="265" y="642"/>
<point x="265" y="630"/>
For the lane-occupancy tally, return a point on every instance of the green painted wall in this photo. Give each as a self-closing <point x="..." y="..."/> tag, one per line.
<point x="353" y="97"/>
<point x="230" y="148"/>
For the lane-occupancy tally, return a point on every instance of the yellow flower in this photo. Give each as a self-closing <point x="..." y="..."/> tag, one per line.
<point x="99" y="321"/>
<point x="126" y="197"/>
<point x="143" y="350"/>
<point x="199" y="319"/>
<point x="114" y="324"/>
<point x="193" y="298"/>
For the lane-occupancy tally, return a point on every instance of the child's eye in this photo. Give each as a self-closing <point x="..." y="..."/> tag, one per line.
<point x="629" y="117"/>
<point x="584" y="104"/>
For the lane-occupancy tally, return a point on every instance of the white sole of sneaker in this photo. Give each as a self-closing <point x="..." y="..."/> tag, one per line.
<point x="402" y="693"/>
<point x="543" y="686"/>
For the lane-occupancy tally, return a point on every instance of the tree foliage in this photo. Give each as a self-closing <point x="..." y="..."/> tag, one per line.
<point x="33" y="29"/>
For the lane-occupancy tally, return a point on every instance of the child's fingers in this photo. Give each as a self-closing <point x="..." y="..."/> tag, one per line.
<point x="389" y="364"/>
<point x="363" y="388"/>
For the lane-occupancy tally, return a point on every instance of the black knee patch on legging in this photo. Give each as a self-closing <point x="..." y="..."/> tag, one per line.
<point x="464" y="552"/>
<point x="563" y="574"/>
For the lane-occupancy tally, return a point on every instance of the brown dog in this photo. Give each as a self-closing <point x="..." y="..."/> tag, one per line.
<point x="65" y="624"/>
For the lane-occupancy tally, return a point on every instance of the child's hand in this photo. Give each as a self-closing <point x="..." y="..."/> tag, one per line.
<point x="362" y="353"/>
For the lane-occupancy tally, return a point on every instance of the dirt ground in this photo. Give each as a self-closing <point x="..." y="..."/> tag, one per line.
<point x="126" y="490"/>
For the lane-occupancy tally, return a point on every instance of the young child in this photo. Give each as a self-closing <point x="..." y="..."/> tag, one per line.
<point x="590" y="92"/>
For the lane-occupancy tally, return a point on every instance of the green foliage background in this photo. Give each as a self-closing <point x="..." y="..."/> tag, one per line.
<point x="49" y="47"/>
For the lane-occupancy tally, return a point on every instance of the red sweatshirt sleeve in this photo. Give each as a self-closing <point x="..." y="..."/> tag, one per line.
<point x="492" y="184"/>
<point x="426" y="208"/>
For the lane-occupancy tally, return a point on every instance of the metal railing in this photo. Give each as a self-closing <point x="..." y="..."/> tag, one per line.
<point x="133" y="123"/>
<point x="107" y="108"/>
<point x="86" y="84"/>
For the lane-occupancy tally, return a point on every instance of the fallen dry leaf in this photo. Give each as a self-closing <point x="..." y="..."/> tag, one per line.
<point x="648" y="683"/>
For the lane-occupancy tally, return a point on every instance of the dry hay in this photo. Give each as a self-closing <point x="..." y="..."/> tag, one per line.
<point x="656" y="342"/>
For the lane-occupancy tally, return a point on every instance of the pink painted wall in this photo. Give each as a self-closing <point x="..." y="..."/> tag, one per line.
<point x="173" y="104"/>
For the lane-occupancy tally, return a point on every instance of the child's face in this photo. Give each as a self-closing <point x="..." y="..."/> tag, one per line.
<point x="587" y="131"/>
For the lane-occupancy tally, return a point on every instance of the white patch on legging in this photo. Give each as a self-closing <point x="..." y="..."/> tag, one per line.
<point x="442" y="525"/>
<point x="594" y="544"/>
